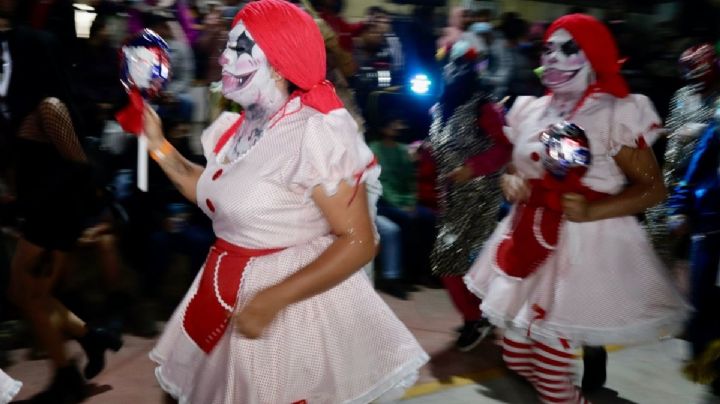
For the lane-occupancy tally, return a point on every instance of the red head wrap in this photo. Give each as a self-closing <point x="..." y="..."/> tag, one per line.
<point x="294" y="47"/>
<point x="599" y="46"/>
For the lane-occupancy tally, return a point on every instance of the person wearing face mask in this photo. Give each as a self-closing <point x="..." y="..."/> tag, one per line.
<point x="281" y="312"/>
<point x="596" y="280"/>
<point x="691" y="111"/>
<point x="468" y="146"/>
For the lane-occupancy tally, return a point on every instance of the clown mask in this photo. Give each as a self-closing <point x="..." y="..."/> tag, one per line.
<point x="699" y="66"/>
<point x="247" y="77"/>
<point x="566" y="69"/>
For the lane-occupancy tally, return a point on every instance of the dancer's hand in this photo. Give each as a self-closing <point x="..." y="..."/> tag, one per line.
<point x="515" y="188"/>
<point x="258" y="314"/>
<point x="461" y="174"/>
<point x="152" y="128"/>
<point x="576" y="208"/>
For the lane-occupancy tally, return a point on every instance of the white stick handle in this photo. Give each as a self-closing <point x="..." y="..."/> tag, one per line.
<point x="142" y="163"/>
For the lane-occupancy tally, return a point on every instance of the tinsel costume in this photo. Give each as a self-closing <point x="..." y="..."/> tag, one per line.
<point x="691" y="109"/>
<point x="468" y="211"/>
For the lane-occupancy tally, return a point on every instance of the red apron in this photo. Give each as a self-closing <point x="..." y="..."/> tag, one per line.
<point x="210" y="309"/>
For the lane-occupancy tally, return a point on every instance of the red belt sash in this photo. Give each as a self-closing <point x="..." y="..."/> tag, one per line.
<point x="535" y="227"/>
<point x="210" y="309"/>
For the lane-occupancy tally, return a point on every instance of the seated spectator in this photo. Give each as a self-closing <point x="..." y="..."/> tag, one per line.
<point x="398" y="205"/>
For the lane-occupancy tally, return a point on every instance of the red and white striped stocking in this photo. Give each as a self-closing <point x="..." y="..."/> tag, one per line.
<point x="547" y="366"/>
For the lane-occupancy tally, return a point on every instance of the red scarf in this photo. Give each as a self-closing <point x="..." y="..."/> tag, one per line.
<point x="294" y="46"/>
<point x="536" y="223"/>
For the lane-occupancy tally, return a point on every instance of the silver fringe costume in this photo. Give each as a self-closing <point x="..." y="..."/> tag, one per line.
<point x="686" y="107"/>
<point x="469" y="211"/>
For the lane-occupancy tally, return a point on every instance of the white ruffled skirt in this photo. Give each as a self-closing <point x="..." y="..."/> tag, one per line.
<point x="342" y="346"/>
<point x="603" y="284"/>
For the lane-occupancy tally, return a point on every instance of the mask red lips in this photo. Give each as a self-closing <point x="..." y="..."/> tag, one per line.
<point x="554" y="77"/>
<point x="232" y="82"/>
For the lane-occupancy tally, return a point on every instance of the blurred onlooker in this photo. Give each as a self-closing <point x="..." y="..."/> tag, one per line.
<point x="97" y="86"/>
<point x="176" y="98"/>
<point x="692" y="109"/>
<point x="454" y="29"/>
<point x="499" y="60"/>
<point x="56" y="17"/>
<point x="382" y="20"/>
<point x="379" y="62"/>
<point x="694" y="209"/>
<point x="522" y="79"/>
<point x="399" y="204"/>
<point x="330" y="11"/>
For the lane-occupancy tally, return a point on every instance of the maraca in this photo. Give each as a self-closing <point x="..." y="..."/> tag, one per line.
<point x="144" y="72"/>
<point x="566" y="147"/>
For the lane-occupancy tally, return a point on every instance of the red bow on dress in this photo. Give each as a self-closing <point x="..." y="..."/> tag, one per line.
<point x="536" y="223"/>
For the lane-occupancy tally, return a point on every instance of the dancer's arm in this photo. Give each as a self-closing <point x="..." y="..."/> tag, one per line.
<point x="353" y="248"/>
<point x="183" y="173"/>
<point x="645" y="189"/>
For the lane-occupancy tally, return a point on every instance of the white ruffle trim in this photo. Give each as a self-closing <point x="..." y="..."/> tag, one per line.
<point x="630" y="334"/>
<point x="403" y="378"/>
<point x="370" y="178"/>
<point x="13" y="388"/>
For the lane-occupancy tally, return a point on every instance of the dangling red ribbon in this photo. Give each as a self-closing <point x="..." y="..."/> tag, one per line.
<point x="130" y="118"/>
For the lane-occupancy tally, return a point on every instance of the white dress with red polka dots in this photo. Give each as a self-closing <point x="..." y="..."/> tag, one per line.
<point x="603" y="283"/>
<point x="341" y="346"/>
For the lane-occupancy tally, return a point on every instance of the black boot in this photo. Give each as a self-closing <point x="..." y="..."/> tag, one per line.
<point x="67" y="387"/>
<point x="595" y="372"/>
<point x="393" y="288"/>
<point x="95" y="342"/>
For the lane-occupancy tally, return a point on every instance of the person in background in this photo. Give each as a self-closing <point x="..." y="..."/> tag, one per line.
<point x="522" y="79"/>
<point x="399" y="205"/>
<point x="692" y="109"/>
<point x="694" y="209"/>
<point x="469" y="148"/>
<point x="176" y="98"/>
<point x="330" y="11"/>
<point x="53" y="185"/>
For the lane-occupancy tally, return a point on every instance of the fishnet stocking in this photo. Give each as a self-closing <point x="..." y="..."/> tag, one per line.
<point x="51" y="123"/>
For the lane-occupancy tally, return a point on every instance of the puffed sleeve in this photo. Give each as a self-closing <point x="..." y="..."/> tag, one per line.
<point x="635" y="123"/>
<point x="212" y="134"/>
<point x="333" y="150"/>
<point x="516" y="114"/>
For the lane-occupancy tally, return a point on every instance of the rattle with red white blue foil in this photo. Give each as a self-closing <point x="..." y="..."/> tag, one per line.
<point x="144" y="72"/>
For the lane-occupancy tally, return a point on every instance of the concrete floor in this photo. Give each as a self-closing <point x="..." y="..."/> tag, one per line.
<point x="645" y="374"/>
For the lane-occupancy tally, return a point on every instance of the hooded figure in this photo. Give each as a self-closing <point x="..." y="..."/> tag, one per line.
<point x="469" y="149"/>
<point x="598" y="280"/>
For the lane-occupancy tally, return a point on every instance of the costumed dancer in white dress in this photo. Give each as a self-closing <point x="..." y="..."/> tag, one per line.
<point x="289" y="186"/>
<point x="571" y="269"/>
<point x="9" y="387"/>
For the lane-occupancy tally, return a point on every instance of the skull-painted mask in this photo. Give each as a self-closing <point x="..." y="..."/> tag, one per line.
<point x="246" y="72"/>
<point x="566" y="68"/>
<point x="699" y="65"/>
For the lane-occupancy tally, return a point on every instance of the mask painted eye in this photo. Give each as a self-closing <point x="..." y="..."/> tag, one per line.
<point x="243" y="44"/>
<point x="547" y="48"/>
<point x="569" y="48"/>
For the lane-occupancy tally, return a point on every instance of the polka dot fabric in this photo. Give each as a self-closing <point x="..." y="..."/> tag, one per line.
<point x="603" y="284"/>
<point x="342" y="346"/>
